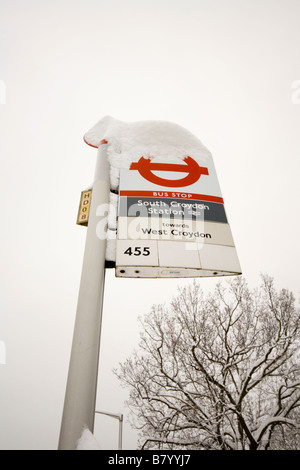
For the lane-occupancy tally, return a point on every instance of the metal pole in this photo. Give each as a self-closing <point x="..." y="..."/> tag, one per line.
<point x="80" y="397"/>
<point x="120" y="432"/>
<point x="120" y="418"/>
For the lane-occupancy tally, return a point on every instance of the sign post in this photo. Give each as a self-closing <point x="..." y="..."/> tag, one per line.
<point x="171" y="223"/>
<point x="80" y="397"/>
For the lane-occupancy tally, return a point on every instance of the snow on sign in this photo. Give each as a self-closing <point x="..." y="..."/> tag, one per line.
<point x="172" y="221"/>
<point x="171" y="218"/>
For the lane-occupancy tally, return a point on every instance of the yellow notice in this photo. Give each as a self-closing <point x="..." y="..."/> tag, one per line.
<point x="84" y="207"/>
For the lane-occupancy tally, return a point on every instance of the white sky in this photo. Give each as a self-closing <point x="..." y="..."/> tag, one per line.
<point x="224" y="70"/>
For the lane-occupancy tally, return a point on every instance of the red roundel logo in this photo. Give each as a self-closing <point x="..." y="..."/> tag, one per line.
<point x="145" y="167"/>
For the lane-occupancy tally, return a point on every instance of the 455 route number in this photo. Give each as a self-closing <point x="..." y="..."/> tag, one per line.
<point x="138" y="251"/>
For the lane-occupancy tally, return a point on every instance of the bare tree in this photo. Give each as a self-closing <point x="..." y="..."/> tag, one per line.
<point x="217" y="371"/>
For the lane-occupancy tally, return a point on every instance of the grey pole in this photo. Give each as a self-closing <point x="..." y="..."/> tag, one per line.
<point x="80" y="396"/>
<point x="120" y="431"/>
<point x="120" y="418"/>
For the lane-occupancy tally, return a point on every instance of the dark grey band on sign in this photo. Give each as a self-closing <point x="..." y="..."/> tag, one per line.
<point x="172" y="208"/>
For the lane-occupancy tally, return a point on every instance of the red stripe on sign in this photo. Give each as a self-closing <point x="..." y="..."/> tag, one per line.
<point x="172" y="194"/>
<point x="102" y="142"/>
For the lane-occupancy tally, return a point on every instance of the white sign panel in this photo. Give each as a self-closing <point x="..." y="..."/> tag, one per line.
<point x="172" y="221"/>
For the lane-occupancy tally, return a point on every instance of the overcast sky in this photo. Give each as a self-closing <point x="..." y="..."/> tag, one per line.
<point x="228" y="71"/>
